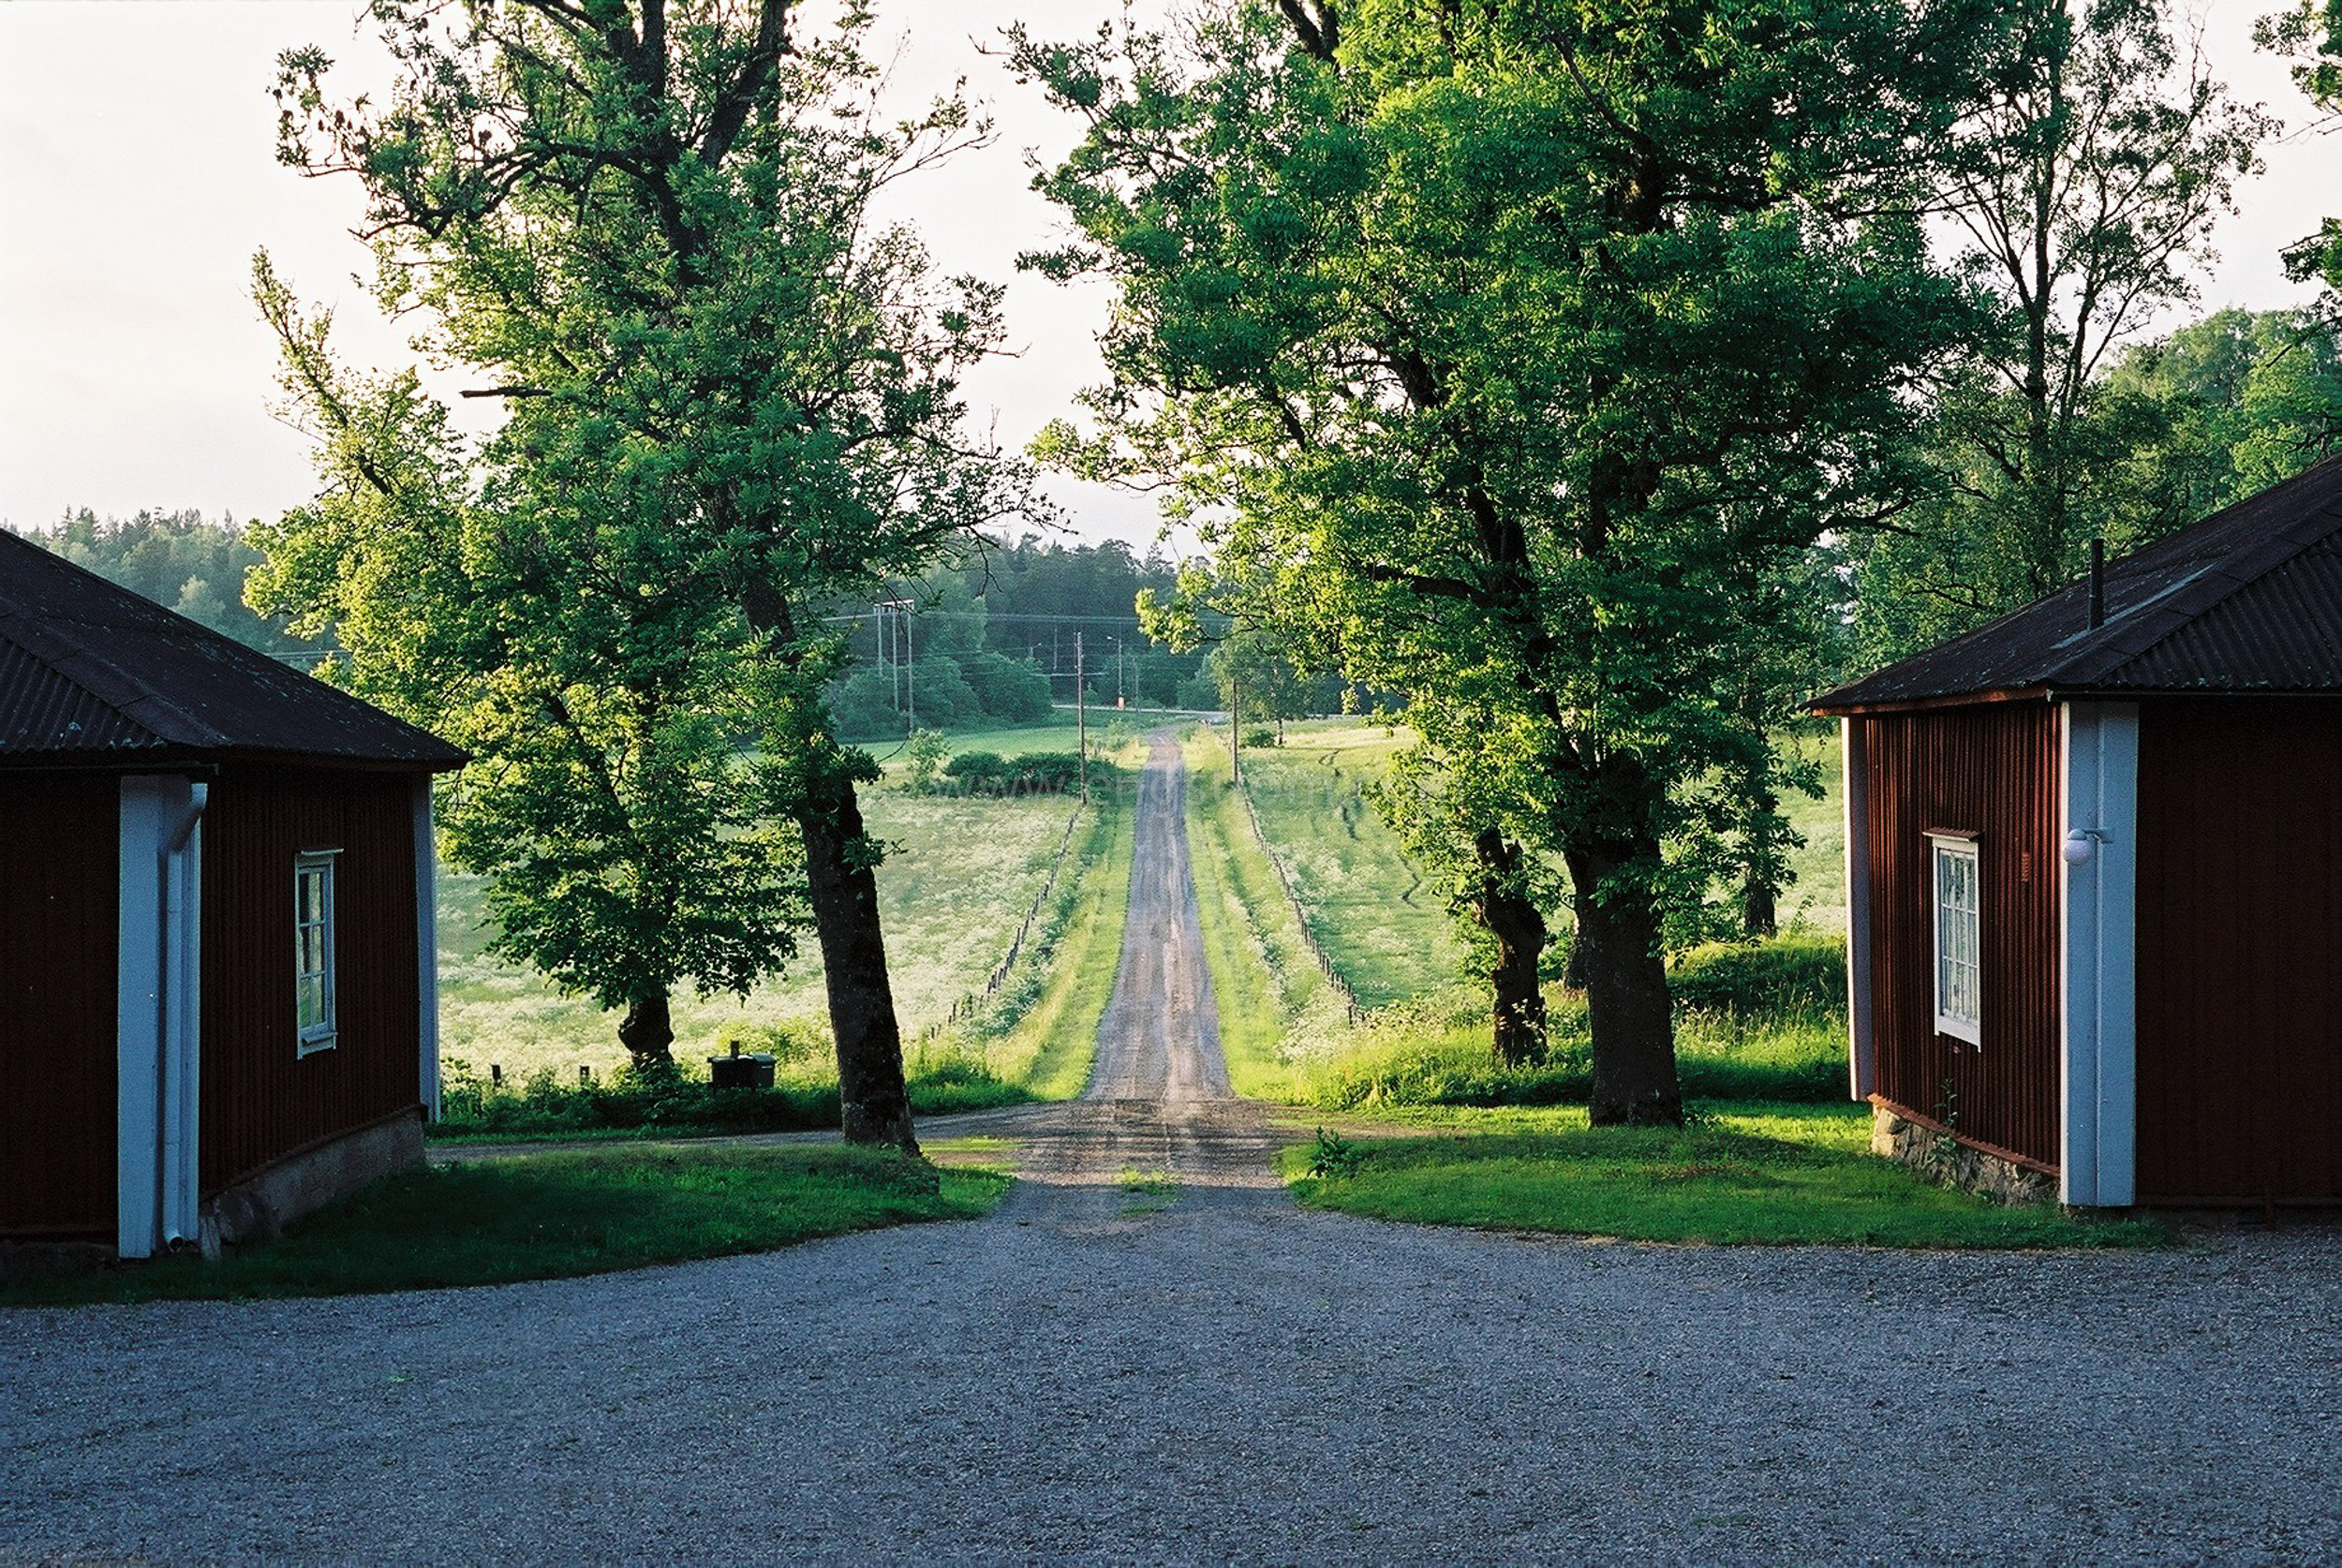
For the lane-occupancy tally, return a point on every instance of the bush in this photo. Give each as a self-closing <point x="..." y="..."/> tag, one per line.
<point x="1261" y="739"/>
<point x="796" y="1043"/>
<point x="1198" y="693"/>
<point x="1803" y="972"/>
<point x="1038" y="772"/>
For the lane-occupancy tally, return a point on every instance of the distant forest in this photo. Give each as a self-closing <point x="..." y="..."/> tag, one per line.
<point x="990" y="638"/>
<point x="182" y="561"/>
<point x="994" y="636"/>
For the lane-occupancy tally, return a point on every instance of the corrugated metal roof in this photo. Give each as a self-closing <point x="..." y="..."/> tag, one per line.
<point x="2248" y="601"/>
<point x="91" y="671"/>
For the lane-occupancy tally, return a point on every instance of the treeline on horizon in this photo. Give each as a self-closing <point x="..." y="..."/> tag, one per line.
<point x="993" y="637"/>
<point x="2180" y="427"/>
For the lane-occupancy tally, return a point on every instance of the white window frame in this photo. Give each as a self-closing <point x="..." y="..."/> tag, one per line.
<point x="1957" y="941"/>
<point x="322" y="1033"/>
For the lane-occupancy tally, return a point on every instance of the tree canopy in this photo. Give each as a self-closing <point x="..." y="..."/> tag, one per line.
<point x="645" y="229"/>
<point x="1526" y="348"/>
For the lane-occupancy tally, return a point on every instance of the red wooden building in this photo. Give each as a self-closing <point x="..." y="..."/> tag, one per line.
<point x="2095" y="872"/>
<point x="218" y="999"/>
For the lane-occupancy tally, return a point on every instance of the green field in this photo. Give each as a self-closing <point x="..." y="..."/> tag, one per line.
<point x="958" y="876"/>
<point x="1386" y="929"/>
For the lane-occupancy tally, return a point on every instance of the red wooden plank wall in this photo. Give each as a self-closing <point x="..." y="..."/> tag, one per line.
<point x="262" y="1098"/>
<point x="59" y="891"/>
<point x="2240" y="949"/>
<point x="1990" y="769"/>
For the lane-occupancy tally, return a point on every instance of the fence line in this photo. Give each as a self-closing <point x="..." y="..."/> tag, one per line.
<point x="1301" y="911"/>
<point x="970" y="1000"/>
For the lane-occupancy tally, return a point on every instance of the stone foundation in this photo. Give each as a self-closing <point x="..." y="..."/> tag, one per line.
<point x="1948" y="1163"/>
<point x="265" y="1202"/>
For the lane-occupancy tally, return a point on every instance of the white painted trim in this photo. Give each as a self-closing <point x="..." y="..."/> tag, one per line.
<point x="426" y="953"/>
<point x="138" y="1020"/>
<point x="183" y="1017"/>
<point x="1960" y="846"/>
<point x="2098" y="943"/>
<point x="1854" y="777"/>
<point x="324" y="1035"/>
<point x="157" y="1012"/>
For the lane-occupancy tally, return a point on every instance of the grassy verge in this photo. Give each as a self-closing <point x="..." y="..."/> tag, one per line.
<point x="1049" y="1035"/>
<point x="1261" y="975"/>
<point x="1756" y="1174"/>
<point x="554" y="1216"/>
<point x="1386" y="930"/>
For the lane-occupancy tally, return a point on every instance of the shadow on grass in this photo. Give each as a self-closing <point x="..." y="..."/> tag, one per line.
<point x="555" y="1215"/>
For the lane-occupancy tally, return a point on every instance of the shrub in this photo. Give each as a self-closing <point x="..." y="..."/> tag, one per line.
<point x="794" y="1044"/>
<point x="1038" y="772"/>
<point x="1802" y="973"/>
<point x="1260" y="739"/>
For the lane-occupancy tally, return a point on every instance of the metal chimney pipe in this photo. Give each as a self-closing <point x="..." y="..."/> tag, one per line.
<point x="2097" y="584"/>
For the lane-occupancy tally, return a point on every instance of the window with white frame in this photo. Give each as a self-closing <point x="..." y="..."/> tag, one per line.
<point x="1958" y="947"/>
<point x="314" y="985"/>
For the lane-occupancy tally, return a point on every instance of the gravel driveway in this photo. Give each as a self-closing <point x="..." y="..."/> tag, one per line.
<point x="1104" y="1373"/>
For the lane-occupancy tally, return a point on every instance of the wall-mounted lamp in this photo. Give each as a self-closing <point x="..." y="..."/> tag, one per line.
<point x="2081" y="843"/>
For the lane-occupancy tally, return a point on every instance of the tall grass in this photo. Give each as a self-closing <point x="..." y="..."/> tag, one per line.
<point x="958" y="876"/>
<point x="1384" y="929"/>
<point x="1269" y="990"/>
<point x="1765" y="1021"/>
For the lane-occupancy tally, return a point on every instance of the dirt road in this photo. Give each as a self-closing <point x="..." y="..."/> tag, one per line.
<point x="1158" y="1125"/>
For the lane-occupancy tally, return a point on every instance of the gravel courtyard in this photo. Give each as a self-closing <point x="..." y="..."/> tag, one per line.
<point x="1190" y="1370"/>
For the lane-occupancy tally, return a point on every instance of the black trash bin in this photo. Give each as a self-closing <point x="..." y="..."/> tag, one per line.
<point x="740" y="1071"/>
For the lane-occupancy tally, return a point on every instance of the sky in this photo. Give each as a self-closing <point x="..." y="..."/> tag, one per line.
<point x="137" y="178"/>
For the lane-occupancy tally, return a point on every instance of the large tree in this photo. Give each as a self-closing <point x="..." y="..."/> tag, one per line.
<point x="2085" y="193"/>
<point x="644" y="227"/>
<point x="626" y="836"/>
<point x="1524" y="346"/>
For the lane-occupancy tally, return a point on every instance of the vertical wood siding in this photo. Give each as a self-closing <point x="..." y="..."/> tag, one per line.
<point x="2240" y="949"/>
<point x="1991" y="771"/>
<point x="262" y="1098"/>
<point x="58" y="896"/>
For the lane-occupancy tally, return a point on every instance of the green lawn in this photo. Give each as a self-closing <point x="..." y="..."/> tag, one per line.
<point x="1386" y="929"/>
<point x="1746" y="1173"/>
<point x="493" y="1221"/>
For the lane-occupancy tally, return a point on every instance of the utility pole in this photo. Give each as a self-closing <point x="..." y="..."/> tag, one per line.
<point x="1081" y="722"/>
<point x="1236" y="705"/>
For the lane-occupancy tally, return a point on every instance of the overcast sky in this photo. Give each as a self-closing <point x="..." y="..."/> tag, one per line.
<point x="137" y="177"/>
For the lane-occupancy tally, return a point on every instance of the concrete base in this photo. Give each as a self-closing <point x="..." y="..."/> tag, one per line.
<point x="263" y="1203"/>
<point x="1948" y="1163"/>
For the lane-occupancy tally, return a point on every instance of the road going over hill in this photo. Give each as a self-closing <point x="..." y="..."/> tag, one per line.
<point x="1158" y="1116"/>
<point x="1175" y="1366"/>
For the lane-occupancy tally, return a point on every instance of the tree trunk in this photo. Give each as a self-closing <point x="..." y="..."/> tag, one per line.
<point x="1760" y="914"/>
<point x="1626" y="994"/>
<point x="1517" y="926"/>
<point x="874" y="1104"/>
<point x="646" y="1031"/>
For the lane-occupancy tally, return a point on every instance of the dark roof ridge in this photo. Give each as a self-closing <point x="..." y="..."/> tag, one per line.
<point x="89" y="667"/>
<point x="2222" y="578"/>
<point x="74" y="660"/>
<point x="2247" y="599"/>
